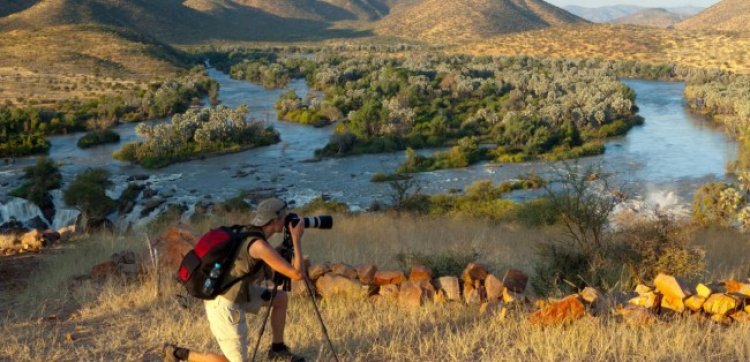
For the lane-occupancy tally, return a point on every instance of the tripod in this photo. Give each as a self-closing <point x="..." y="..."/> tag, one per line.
<point x="287" y="252"/>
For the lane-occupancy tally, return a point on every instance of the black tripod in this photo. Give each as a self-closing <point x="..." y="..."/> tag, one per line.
<point x="287" y="252"/>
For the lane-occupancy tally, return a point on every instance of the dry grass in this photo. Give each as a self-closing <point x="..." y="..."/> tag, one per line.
<point x="698" y="49"/>
<point x="125" y="321"/>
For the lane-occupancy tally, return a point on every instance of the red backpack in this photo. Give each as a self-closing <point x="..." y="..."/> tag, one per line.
<point x="204" y="269"/>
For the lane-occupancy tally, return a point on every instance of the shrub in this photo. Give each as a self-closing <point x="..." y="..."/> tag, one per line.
<point x="40" y="179"/>
<point x="87" y="193"/>
<point x="95" y="138"/>
<point x="536" y="212"/>
<point x="715" y="203"/>
<point x="320" y="204"/>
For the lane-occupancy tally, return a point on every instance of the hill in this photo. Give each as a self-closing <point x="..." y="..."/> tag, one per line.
<point x="603" y="14"/>
<point x="8" y="7"/>
<point x="727" y="15"/>
<point x="656" y="17"/>
<point x="460" y="20"/>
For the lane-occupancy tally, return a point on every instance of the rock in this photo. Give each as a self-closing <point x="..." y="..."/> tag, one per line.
<point x="473" y="296"/>
<point x="67" y="232"/>
<point x="566" y="310"/>
<point x="32" y="240"/>
<point x="411" y="295"/>
<point x="149" y="193"/>
<point x="13" y="226"/>
<point x="741" y="316"/>
<point x="494" y="288"/>
<point x="646" y="300"/>
<point x="366" y="273"/>
<point x="389" y="291"/>
<point x="151" y="205"/>
<point x="139" y="177"/>
<point x="672" y="288"/>
<point x="511" y="297"/>
<point x="344" y="270"/>
<point x="695" y="303"/>
<point x="419" y="273"/>
<point x="703" y="290"/>
<point x="124" y="257"/>
<point x="173" y="245"/>
<point x="515" y="280"/>
<point x="643" y="289"/>
<point x="720" y="304"/>
<point x="318" y="270"/>
<point x="672" y="303"/>
<point x="449" y="285"/>
<point x="336" y="285"/>
<point x="474" y="272"/>
<point x="51" y="237"/>
<point x="590" y="295"/>
<point x="733" y="286"/>
<point x="721" y="319"/>
<point x="103" y="270"/>
<point x="637" y="316"/>
<point x="389" y="277"/>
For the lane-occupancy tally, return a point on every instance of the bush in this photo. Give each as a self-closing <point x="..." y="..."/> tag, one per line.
<point x="319" y="204"/>
<point x="536" y="213"/>
<point x="95" y="138"/>
<point x="40" y="179"/>
<point x="715" y="203"/>
<point x="87" y="193"/>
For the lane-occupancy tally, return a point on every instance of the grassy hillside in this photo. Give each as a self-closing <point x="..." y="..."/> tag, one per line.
<point x="727" y="15"/>
<point x="656" y="17"/>
<point x="461" y="20"/>
<point x="618" y="42"/>
<point x="8" y="7"/>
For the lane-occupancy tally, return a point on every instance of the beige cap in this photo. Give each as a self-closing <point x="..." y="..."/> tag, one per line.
<point x="268" y="210"/>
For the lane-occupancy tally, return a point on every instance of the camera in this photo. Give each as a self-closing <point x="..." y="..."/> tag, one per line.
<point x="318" y="222"/>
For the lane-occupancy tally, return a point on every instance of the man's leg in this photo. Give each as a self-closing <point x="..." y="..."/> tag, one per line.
<point x="278" y="316"/>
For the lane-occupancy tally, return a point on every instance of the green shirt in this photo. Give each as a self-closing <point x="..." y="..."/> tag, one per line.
<point x="245" y="267"/>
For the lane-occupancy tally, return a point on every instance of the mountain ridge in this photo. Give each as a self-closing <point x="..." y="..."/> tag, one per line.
<point x="727" y="15"/>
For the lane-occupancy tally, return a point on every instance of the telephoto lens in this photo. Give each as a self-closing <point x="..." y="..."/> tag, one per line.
<point x="316" y="222"/>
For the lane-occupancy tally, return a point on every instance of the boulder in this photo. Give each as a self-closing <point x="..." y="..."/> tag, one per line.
<point x="494" y="288"/>
<point x="672" y="303"/>
<point x="32" y="240"/>
<point x="366" y="273"/>
<point x="173" y="245"/>
<point x="67" y="232"/>
<point x="643" y="289"/>
<point x="741" y="316"/>
<point x="389" y="277"/>
<point x="566" y="310"/>
<point x="336" y="285"/>
<point x="411" y="295"/>
<point x="51" y="237"/>
<point x="389" y="291"/>
<point x="515" y="280"/>
<point x="150" y="205"/>
<point x="646" y="300"/>
<point x="103" y="270"/>
<point x="345" y="270"/>
<point x="720" y="304"/>
<point x="419" y="273"/>
<point x="449" y="285"/>
<point x="671" y="288"/>
<point x="590" y="295"/>
<point x="695" y="303"/>
<point x="474" y="272"/>
<point x="318" y="270"/>
<point x="721" y="319"/>
<point x="473" y="296"/>
<point x="733" y="286"/>
<point x="637" y="316"/>
<point x="703" y="290"/>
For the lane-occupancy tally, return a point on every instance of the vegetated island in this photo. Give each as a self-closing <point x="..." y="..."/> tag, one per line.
<point x="196" y="134"/>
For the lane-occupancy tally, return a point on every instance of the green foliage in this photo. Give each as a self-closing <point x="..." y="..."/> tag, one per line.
<point x="382" y="177"/>
<point x="87" y="193"/>
<point x="291" y="107"/>
<point x="536" y="213"/>
<point x="95" y="138"/>
<point x="715" y="203"/>
<point x="320" y="204"/>
<point x="194" y="134"/>
<point x="444" y="263"/>
<point x="39" y="180"/>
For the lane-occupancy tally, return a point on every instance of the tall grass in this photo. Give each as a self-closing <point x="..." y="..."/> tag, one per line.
<point x="118" y="320"/>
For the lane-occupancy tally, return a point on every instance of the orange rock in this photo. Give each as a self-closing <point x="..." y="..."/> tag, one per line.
<point x="366" y="273"/>
<point x="345" y="270"/>
<point x="411" y="295"/>
<point x="515" y="280"/>
<point x="637" y="316"/>
<point x="389" y="277"/>
<point x="703" y="290"/>
<point x="173" y="245"/>
<point x="333" y="284"/>
<point x="566" y="310"/>
<point x="318" y="270"/>
<point x="720" y="304"/>
<point x="643" y="289"/>
<point x="670" y="287"/>
<point x="741" y="316"/>
<point x="733" y="286"/>
<point x="646" y="300"/>
<point x="672" y="303"/>
<point x="389" y="291"/>
<point x="474" y="272"/>
<point x="590" y="295"/>
<point x="428" y="289"/>
<point x="695" y="303"/>
<point x="103" y="270"/>
<point x="449" y="285"/>
<point x="721" y="319"/>
<point x="419" y="272"/>
<point x="494" y="288"/>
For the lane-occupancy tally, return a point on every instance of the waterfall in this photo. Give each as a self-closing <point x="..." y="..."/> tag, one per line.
<point x="19" y="209"/>
<point x="64" y="216"/>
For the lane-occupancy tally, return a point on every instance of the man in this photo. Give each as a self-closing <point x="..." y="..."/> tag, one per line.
<point x="226" y="313"/>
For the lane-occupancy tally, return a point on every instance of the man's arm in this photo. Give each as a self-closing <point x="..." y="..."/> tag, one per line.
<point x="262" y="250"/>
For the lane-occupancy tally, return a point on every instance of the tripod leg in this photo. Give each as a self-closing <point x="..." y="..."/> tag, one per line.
<point x="320" y="318"/>
<point x="265" y="321"/>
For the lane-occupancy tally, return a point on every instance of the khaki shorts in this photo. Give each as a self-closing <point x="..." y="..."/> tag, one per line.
<point x="229" y="325"/>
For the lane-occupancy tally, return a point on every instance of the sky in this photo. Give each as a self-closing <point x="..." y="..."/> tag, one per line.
<point x="644" y="3"/>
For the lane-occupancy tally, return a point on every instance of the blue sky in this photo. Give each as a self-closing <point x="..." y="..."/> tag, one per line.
<point x="644" y="3"/>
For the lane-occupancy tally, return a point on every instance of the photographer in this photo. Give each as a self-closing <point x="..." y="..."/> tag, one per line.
<point x="226" y="313"/>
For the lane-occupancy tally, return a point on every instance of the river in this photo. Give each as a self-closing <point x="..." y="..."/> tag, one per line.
<point x="674" y="151"/>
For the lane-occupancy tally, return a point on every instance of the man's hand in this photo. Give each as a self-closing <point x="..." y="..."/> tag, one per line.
<point x="297" y="231"/>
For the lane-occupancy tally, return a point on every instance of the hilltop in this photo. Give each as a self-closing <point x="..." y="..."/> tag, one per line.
<point x="605" y="14"/>
<point x="460" y="20"/>
<point x="727" y="15"/>
<point x="656" y="17"/>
